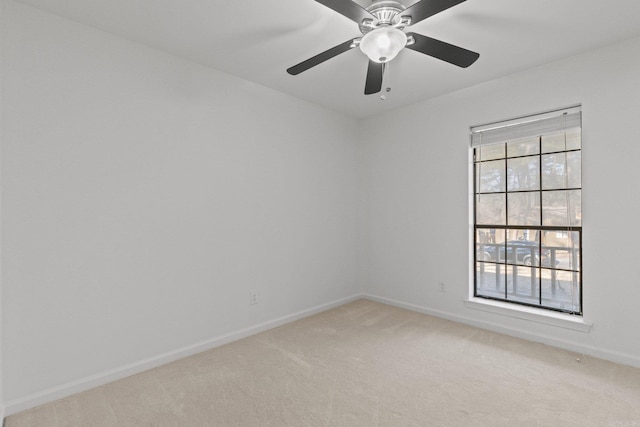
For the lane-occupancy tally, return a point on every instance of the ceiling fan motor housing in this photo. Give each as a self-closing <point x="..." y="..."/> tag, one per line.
<point x="385" y="11"/>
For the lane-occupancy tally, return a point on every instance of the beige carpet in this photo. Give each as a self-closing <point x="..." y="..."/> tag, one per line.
<point x="363" y="364"/>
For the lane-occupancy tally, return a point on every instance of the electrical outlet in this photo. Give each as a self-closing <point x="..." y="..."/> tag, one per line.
<point x="443" y="288"/>
<point x="253" y="297"/>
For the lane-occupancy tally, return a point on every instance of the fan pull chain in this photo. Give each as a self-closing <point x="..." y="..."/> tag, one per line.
<point x="386" y="84"/>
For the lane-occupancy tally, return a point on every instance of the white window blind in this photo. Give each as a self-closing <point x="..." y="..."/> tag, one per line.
<point x="533" y="126"/>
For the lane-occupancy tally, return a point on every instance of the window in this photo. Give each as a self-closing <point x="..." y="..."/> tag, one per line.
<point x="528" y="211"/>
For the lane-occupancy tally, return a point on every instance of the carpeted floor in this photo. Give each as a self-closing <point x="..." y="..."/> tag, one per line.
<point x="363" y="364"/>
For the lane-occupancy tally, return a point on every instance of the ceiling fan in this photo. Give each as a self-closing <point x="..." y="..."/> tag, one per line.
<point x="382" y="26"/>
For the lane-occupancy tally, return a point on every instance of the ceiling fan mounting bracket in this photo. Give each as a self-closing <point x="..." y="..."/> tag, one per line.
<point x="387" y="13"/>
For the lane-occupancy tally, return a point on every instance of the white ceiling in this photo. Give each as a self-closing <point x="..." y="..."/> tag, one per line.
<point x="258" y="40"/>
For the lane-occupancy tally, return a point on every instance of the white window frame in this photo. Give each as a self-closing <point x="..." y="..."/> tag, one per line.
<point x="498" y="130"/>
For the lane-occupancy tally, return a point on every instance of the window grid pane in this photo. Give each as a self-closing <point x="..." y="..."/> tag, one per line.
<point x="528" y="234"/>
<point x="523" y="173"/>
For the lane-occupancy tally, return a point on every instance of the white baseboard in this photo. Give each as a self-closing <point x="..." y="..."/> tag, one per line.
<point x="613" y="356"/>
<point x="40" y="398"/>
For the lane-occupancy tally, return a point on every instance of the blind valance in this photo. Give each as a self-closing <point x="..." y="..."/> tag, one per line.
<point x="532" y="126"/>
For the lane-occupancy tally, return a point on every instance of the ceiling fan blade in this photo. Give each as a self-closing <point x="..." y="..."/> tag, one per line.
<point x="320" y="58"/>
<point x="374" y="78"/>
<point x="348" y="8"/>
<point x="447" y="52"/>
<point x="426" y="8"/>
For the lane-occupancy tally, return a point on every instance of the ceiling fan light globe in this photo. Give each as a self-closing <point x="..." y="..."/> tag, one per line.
<point x="383" y="44"/>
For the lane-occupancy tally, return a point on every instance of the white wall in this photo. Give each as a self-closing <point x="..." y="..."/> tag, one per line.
<point x="143" y="198"/>
<point x="416" y="196"/>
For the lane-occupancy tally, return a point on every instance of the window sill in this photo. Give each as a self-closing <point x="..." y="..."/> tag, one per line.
<point x="561" y="320"/>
